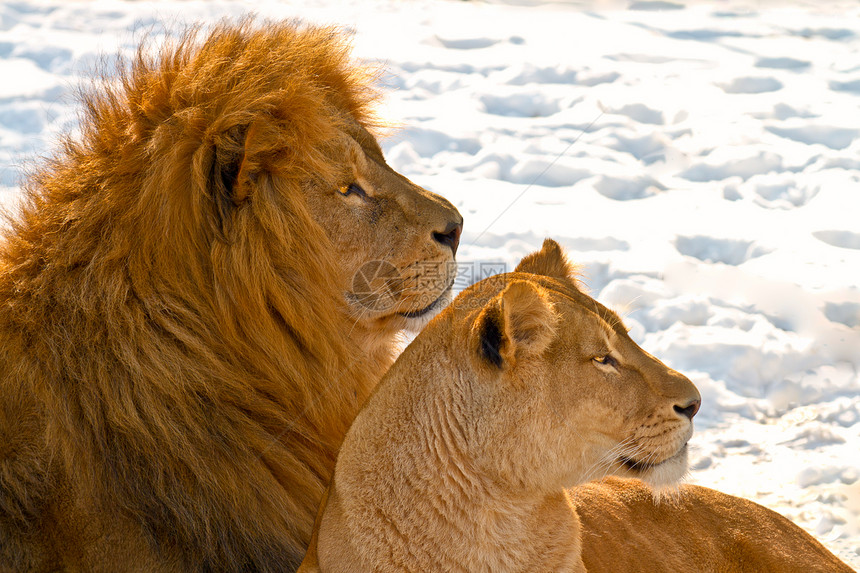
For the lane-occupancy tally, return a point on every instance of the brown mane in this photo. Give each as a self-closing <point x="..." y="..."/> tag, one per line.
<point x="175" y="309"/>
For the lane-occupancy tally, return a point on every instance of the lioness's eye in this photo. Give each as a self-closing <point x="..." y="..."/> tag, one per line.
<point x="352" y="189"/>
<point x="607" y="360"/>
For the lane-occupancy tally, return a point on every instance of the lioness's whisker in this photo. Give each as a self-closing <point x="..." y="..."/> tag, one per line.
<point x="604" y="463"/>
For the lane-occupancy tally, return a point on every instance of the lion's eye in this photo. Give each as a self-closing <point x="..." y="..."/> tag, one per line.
<point x="606" y="360"/>
<point x="352" y="189"/>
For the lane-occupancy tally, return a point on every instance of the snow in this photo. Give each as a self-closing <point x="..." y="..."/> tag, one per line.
<point x="699" y="161"/>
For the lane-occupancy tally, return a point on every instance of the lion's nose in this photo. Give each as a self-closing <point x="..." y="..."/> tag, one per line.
<point x="689" y="410"/>
<point x="450" y="236"/>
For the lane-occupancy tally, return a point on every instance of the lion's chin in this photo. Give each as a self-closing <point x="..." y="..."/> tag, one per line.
<point x="417" y="319"/>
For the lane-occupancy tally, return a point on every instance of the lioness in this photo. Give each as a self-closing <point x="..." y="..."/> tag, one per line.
<point x="196" y="297"/>
<point x="522" y="387"/>
<point x="526" y="385"/>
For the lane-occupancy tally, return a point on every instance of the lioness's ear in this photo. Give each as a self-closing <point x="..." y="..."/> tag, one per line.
<point x="517" y="324"/>
<point x="550" y="261"/>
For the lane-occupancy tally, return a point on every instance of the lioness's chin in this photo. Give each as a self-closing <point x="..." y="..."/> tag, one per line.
<point x="665" y="474"/>
<point x="670" y="472"/>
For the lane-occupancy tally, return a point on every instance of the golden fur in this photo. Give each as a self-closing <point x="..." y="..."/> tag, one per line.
<point x="522" y="387"/>
<point x="180" y="347"/>
<point x="624" y="530"/>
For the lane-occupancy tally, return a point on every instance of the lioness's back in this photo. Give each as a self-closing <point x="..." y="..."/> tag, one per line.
<point x="702" y="530"/>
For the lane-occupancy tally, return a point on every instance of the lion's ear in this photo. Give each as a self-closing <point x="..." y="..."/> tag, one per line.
<point x="249" y="167"/>
<point x="550" y="261"/>
<point x="232" y="169"/>
<point x="517" y="324"/>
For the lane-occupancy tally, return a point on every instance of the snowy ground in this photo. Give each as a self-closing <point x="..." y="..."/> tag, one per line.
<point x="700" y="161"/>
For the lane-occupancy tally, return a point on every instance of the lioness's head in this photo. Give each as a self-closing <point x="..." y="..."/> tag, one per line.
<point x="561" y="394"/>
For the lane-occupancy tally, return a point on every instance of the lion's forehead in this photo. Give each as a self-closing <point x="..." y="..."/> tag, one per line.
<point x="359" y="133"/>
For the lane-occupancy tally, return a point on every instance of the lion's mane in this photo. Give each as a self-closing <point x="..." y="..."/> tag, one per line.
<point x="173" y="341"/>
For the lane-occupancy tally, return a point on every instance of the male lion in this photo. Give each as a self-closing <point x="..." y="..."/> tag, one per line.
<point x="192" y="309"/>
<point x="459" y="460"/>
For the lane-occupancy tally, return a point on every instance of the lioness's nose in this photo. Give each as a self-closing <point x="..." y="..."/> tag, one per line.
<point x="689" y="410"/>
<point x="450" y="236"/>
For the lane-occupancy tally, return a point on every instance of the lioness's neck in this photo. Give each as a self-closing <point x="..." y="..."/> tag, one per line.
<point x="435" y="510"/>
